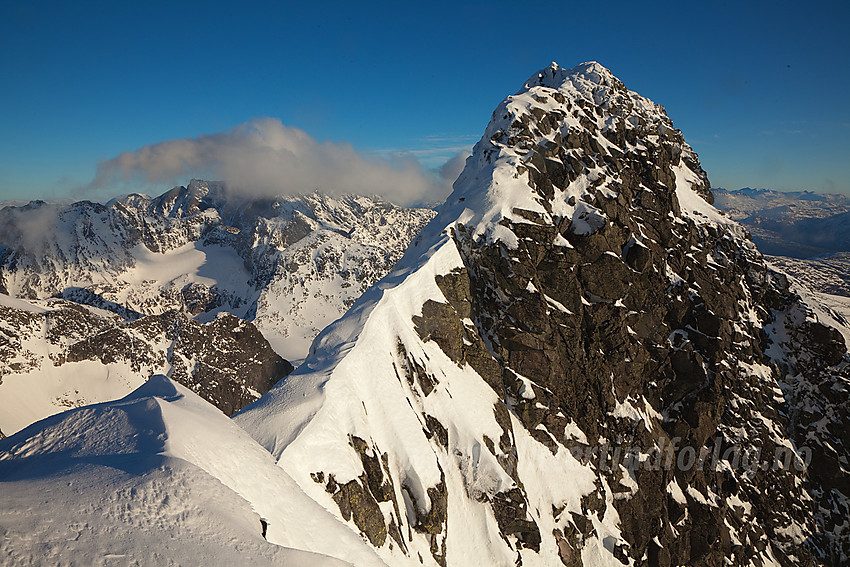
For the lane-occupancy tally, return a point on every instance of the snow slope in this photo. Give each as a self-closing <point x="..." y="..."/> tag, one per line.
<point x="159" y="477"/>
<point x="576" y="292"/>
<point x="373" y="376"/>
<point x="353" y="385"/>
<point x="56" y="354"/>
<point x="33" y="384"/>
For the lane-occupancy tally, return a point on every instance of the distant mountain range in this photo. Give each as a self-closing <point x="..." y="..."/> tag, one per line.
<point x="216" y="290"/>
<point x="796" y="224"/>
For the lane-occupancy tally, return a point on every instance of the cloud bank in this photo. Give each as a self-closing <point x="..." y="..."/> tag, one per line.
<point x="263" y="157"/>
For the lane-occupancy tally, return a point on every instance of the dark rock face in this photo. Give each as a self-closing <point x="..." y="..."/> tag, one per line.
<point x="226" y="361"/>
<point x="233" y="362"/>
<point x="357" y="502"/>
<point x="359" y="499"/>
<point x="16" y="324"/>
<point x="636" y="305"/>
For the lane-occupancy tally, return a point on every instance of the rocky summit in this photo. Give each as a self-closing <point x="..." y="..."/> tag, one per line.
<point x="578" y="362"/>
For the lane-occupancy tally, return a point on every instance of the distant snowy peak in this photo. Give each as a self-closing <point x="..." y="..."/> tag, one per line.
<point x="150" y="254"/>
<point x="742" y="203"/>
<point x="289" y="264"/>
<point x="181" y="201"/>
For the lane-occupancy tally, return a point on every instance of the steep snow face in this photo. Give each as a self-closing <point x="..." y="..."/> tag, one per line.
<point x="159" y="477"/>
<point x="361" y="424"/>
<point x="576" y="309"/>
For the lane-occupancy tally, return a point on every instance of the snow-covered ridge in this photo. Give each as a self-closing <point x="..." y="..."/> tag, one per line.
<point x="208" y="250"/>
<point x="370" y="376"/>
<point x="174" y="476"/>
<point x="594" y="83"/>
<point x="576" y="310"/>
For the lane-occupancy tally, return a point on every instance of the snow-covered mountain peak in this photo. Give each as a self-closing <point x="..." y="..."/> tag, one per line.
<point x="576" y="292"/>
<point x="580" y="362"/>
<point x="185" y="201"/>
<point x="290" y="264"/>
<point x="568" y="137"/>
<point x="554" y="76"/>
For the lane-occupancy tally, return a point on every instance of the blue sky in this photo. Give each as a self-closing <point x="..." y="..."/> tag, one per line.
<point x="760" y="89"/>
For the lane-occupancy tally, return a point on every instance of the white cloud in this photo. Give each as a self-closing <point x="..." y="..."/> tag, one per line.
<point x="263" y="157"/>
<point x="450" y="170"/>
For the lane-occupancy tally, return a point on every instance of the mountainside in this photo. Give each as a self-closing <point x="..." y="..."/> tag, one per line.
<point x="192" y="283"/>
<point x="797" y="224"/>
<point x="55" y="354"/>
<point x="826" y="274"/>
<point x="825" y="281"/>
<point x="578" y="362"/>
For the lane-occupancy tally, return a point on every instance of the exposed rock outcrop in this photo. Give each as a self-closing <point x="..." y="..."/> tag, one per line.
<point x="226" y="361"/>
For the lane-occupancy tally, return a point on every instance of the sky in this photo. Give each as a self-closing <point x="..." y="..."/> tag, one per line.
<point x="99" y="99"/>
